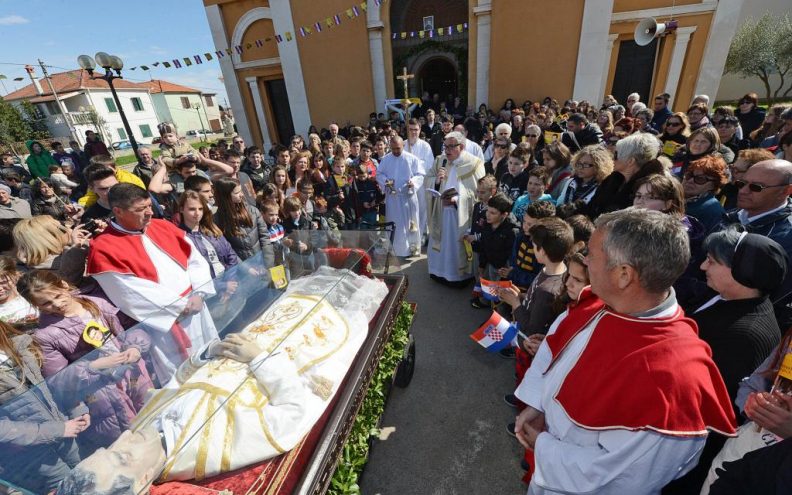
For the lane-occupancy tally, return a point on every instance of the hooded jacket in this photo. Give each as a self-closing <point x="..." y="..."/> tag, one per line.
<point x="38" y="164"/>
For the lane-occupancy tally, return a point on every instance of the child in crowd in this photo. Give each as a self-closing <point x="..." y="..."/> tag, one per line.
<point x="368" y="195"/>
<point x="113" y="381"/>
<point x="60" y="180"/>
<point x="523" y="265"/>
<point x="486" y="188"/>
<point x="337" y="191"/>
<point x="365" y="159"/>
<point x="305" y="255"/>
<point x="270" y="192"/>
<point x="535" y="191"/>
<point x="334" y="217"/>
<point x="514" y="183"/>
<point x="14" y="309"/>
<point x="293" y="216"/>
<point x="305" y="192"/>
<point x="496" y="241"/>
<point x="552" y="240"/>
<point x="582" y="227"/>
<point x="270" y="211"/>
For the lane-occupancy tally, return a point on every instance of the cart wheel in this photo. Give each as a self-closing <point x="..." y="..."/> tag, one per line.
<point x="406" y="368"/>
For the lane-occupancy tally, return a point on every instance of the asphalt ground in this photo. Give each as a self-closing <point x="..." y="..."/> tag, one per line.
<point x="445" y="433"/>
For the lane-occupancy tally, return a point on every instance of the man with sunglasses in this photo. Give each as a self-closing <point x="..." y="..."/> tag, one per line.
<point x="764" y="208"/>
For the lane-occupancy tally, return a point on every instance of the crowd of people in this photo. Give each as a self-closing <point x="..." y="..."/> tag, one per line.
<point x="646" y="252"/>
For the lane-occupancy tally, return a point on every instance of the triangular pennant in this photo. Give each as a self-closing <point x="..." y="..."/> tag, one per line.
<point x="133" y="68"/>
<point x="156" y="64"/>
<point x="144" y="67"/>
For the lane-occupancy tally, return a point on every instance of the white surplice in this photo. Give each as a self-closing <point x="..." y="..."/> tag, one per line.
<point x="157" y="305"/>
<point x="401" y="206"/>
<point x="571" y="459"/>
<point x="423" y="151"/>
<point x="444" y="262"/>
<point x="474" y="149"/>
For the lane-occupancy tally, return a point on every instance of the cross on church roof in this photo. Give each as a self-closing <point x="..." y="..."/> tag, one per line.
<point x="404" y="77"/>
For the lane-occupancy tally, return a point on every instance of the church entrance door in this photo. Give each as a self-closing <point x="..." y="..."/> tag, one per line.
<point x="438" y="75"/>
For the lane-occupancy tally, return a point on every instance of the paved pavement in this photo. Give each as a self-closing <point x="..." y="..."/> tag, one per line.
<point x="445" y="434"/>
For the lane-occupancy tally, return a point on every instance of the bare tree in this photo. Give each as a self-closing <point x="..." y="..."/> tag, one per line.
<point x="762" y="48"/>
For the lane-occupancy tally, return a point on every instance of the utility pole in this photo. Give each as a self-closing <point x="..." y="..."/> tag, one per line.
<point x="61" y="107"/>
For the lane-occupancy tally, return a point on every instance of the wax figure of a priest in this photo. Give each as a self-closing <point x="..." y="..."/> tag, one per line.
<point x="455" y="174"/>
<point x="248" y="398"/>
<point x="622" y="393"/>
<point x="152" y="272"/>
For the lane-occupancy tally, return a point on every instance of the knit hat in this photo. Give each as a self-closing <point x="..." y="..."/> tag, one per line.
<point x="759" y="263"/>
<point x="5" y="188"/>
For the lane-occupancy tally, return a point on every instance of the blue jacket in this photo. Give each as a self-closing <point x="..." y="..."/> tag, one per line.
<point x="707" y="210"/>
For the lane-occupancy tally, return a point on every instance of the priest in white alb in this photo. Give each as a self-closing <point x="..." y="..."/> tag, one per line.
<point x="450" y="215"/>
<point x="423" y="151"/>
<point x="400" y="176"/>
<point x="622" y="393"/>
<point x="152" y="272"/>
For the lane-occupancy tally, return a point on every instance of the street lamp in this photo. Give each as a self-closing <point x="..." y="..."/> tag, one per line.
<point x="109" y="63"/>
<point x="197" y="107"/>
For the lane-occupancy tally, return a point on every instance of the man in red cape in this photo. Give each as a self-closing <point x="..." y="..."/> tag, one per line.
<point x="622" y="392"/>
<point x="152" y="272"/>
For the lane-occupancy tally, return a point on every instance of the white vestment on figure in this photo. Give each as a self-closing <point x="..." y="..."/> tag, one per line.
<point x="474" y="149"/>
<point x="401" y="199"/>
<point x="445" y="261"/>
<point x="220" y="415"/>
<point x="423" y="151"/>
<point x="157" y="305"/>
<point x="571" y="459"/>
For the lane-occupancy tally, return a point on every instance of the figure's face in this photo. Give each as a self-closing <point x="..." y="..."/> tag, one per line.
<point x="673" y="125"/>
<point x="641" y="121"/>
<point x="36" y="148"/>
<point x="192" y="212"/>
<point x="53" y="301"/>
<point x="207" y="193"/>
<point x="333" y="130"/>
<point x="256" y="159"/>
<point x="235" y="162"/>
<point x="354" y="148"/>
<point x="5" y="196"/>
<point x="381" y="148"/>
<point x="239" y="144"/>
<point x="365" y="154"/>
<point x="585" y="169"/>
<point x="535" y="187"/>
<point x="494" y="216"/>
<point x="170" y="138"/>
<point x="188" y="171"/>
<point x="7" y="289"/>
<point x="484" y="193"/>
<point x="137" y="455"/>
<point x="301" y="165"/>
<point x="698" y="144"/>
<point x="237" y="196"/>
<point x="604" y="279"/>
<point x="515" y="166"/>
<point x="280" y="177"/>
<point x="726" y="131"/>
<point x="645" y="198"/>
<point x="413" y="131"/>
<point x="453" y="149"/>
<point x="46" y="190"/>
<point x="102" y="187"/>
<point x="527" y="223"/>
<point x="145" y="156"/>
<point x="576" y="280"/>
<point x="696" y="183"/>
<point x="284" y="157"/>
<point x="695" y="116"/>
<point x="768" y="198"/>
<point x="738" y="169"/>
<point x="136" y="217"/>
<point x="446" y="127"/>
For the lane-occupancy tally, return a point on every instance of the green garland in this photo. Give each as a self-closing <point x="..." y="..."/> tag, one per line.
<point x="345" y="479"/>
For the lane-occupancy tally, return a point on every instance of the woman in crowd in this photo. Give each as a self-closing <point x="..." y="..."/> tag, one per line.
<point x="314" y="143"/>
<point x="605" y="123"/>
<point x="39" y="160"/>
<point x="749" y="113"/>
<point x="72" y="326"/>
<point x="556" y="157"/>
<point x="498" y="165"/>
<point x="197" y="221"/>
<point x="676" y="129"/>
<point x="14" y="309"/>
<point x="48" y="201"/>
<point x="37" y="447"/>
<point x="300" y="163"/>
<point x="636" y="157"/>
<point x="43" y="243"/>
<point x="624" y="124"/>
<point x="701" y="182"/>
<point x="320" y="169"/>
<point x="534" y="139"/>
<point x="698" y="116"/>
<point x="702" y="142"/>
<point x="592" y="165"/>
<point x="770" y="126"/>
<point x="280" y="177"/>
<point x="242" y="224"/>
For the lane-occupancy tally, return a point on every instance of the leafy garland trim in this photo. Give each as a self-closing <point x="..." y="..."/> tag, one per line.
<point x="356" y="449"/>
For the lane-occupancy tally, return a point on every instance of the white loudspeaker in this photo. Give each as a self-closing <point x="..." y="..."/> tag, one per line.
<point x="649" y="29"/>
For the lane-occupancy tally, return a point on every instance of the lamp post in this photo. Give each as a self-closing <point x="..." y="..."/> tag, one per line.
<point x="109" y="63"/>
<point x="197" y="107"/>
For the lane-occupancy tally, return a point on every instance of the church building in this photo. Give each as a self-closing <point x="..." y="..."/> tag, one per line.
<point x="290" y="64"/>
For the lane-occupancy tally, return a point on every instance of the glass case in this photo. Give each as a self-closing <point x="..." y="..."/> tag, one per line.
<point x="227" y="376"/>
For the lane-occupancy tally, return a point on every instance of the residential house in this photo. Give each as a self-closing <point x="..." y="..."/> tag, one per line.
<point x="187" y="108"/>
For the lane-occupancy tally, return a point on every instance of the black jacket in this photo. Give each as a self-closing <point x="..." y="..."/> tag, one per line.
<point x="591" y="134"/>
<point x="495" y="246"/>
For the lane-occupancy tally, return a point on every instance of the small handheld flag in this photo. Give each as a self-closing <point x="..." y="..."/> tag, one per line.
<point x="495" y="334"/>
<point x="489" y="288"/>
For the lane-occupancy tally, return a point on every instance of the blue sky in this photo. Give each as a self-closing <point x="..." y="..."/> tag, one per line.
<point x="140" y="32"/>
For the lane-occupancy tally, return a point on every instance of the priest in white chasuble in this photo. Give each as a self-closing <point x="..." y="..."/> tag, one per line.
<point x="249" y="398"/>
<point x="454" y="176"/>
<point x="151" y="271"/>
<point x="400" y="176"/>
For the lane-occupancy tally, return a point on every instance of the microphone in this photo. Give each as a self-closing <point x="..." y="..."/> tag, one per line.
<point x="445" y="161"/>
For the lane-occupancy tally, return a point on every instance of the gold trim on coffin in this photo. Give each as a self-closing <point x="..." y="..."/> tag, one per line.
<point x="214" y="396"/>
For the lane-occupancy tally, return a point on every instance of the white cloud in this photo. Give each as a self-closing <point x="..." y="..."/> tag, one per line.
<point x="13" y="19"/>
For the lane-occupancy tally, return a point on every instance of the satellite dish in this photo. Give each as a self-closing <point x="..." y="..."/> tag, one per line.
<point x="649" y="29"/>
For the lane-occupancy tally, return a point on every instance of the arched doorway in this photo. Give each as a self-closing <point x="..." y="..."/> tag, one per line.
<point x="438" y="75"/>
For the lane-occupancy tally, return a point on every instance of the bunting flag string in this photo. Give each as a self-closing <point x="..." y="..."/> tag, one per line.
<point x="431" y="33"/>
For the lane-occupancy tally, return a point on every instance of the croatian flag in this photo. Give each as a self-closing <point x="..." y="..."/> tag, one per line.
<point x="489" y="288"/>
<point x="495" y="334"/>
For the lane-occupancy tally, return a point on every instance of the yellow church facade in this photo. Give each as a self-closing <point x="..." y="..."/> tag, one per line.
<point x="287" y="75"/>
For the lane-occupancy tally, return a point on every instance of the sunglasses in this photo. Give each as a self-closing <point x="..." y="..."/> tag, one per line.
<point x="502" y="146"/>
<point x="532" y="135"/>
<point x="698" y="179"/>
<point x="673" y="124"/>
<point x="754" y="187"/>
<point x="582" y="165"/>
